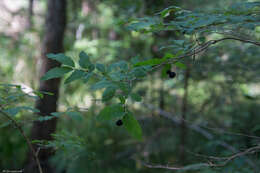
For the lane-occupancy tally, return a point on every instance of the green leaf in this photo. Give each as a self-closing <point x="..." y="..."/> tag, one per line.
<point x="30" y="109"/>
<point x="101" y="84"/>
<point x="117" y="76"/>
<point x="77" y="74"/>
<point x="108" y="93"/>
<point x="111" y="112"/>
<point x="36" y="141"/>
<point x="164" y="13"/>
<point x="142" y="24"/>
<point x="118" y="66"/>
<point x="132" y="126"/>
<point x="122" y="99"/>
<point x="56" y="72"/>
<point x="84" y="60"/>
<point x="154" y="61"/>
<point x="165" y="69"/>
<point x="91" y="67"/>
<point x="75" y="115"/>
<point x="101" y="68"/>
<point x="47" y="93"/>
<point x="139" y="72"/>
<point x="57" y="114"/>
<point x="60" y="57"/>
<point x="45" y="118"/>
<point x="12" y="111"/>
<point x="2" y="125"/>
<point x="179" y="42"/>
<point x="87" y="77"/>
<point x="49" y="117"/>
<point x="38" y="93"/>
<point x="136" y="97"/>
<point x="135" y="60"/>
<point x="15" y="110"/>
<point x="124" y="87"/>
<point x="180" y="65"/>
<point x="169" y="56"/>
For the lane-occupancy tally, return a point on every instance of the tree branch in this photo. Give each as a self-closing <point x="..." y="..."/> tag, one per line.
<point x="207" y="135"/>
<point x="25" y="137"/>
<point x="210" y="164"/>
<point x="202" y="47"/>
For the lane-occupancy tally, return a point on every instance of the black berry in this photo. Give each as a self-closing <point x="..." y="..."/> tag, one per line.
<point x="119" y="123"/>
<point x="172" y="74"/>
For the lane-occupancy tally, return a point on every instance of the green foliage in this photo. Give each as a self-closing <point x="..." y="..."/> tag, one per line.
<point x="101" y="68"/>
<point x="84" y="60"/>
<point x="240" y="15"/>
<point x="76" y="74"/>
<point x="102" y="84"/>
<point x="56" y="72"/>
<point x="132" y="126"/>
<point x="74" y="115"/>
<point x="111" y="112"/>
<point x="215" y="97"/>
<point x="14" y="110"/>
<point x="109" y="93"/>
<point x="118" y="77"/>
<point x="180" y="65"/>
<point x="136" y="97"/>
<point x="61" y="58"/>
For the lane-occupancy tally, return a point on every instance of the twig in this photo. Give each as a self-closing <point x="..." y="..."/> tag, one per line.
<point x="25" y="137"/>
<point x="198" y="129"/>
<point x="161" y="166"/>
<point x="201" y="47"/>
<point x="210" y="164"/>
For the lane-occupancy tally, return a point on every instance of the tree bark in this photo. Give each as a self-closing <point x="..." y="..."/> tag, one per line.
<point x="30" y="15"/>
<point x="52" y="43"/>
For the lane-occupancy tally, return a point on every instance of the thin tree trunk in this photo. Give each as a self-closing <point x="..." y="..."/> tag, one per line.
<point x="30" y="15"/>
<point x="52" y="43"/>
<point x="184" y="114"/>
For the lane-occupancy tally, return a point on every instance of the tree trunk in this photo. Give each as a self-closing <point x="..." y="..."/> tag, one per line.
<point x="52" y="43"/>
<point x="30" y="15"/>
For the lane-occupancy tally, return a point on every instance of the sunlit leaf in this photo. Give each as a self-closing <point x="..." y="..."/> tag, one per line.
<point x="77" y="74"/>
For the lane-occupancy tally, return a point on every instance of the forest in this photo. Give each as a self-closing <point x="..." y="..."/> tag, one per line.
<point x="129" y="86"/>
